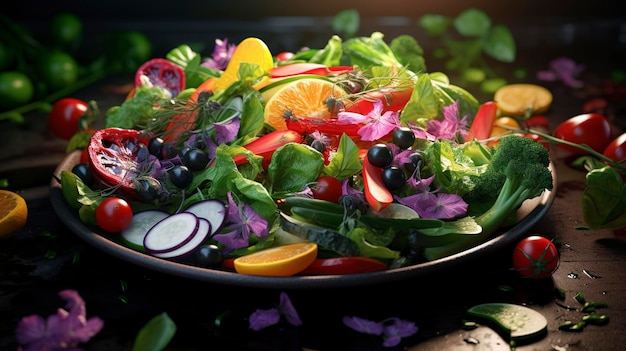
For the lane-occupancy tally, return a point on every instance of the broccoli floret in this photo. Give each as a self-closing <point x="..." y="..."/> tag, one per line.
<point x="518" y="170"/>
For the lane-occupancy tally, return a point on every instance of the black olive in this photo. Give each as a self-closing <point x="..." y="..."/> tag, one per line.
<point x="155" y="146"/>
<point x="394" y="178"/>
<point x="195" y="159"/>
<point x="209" y="255"/>
<point x="379" y="155"/>
<point x="180" y="176"/>
<point x="403" y="137"/>
<point x="83" y="172"/>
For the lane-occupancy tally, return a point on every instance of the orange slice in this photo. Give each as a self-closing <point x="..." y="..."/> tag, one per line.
<point x="302" y="98"/>
<point x="278" y="261"/>
<point x="251" y="50"/>
<point x="13" y="212"/>
<point x="522" y="99"/>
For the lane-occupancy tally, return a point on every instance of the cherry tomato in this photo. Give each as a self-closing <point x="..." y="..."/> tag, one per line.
<point x="161" y="73"/>
<point x="592" y="129"/>
<point x="16" y="89"/>
<point x="284" y="56"/>
<point x="64" y="118"/>
<point x="327" y="188"/>
<point x="113" y="214"/>
<point x="502" y="126"/>
<point x="536" y="257"/>
<point x="117" y="156"/>
<point x="344" y="265"/>
<point x="616" y="150"/>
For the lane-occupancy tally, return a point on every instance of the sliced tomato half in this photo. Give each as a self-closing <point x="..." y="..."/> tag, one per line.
<point x="160" y="72"/>
<point x="117" y="156"/>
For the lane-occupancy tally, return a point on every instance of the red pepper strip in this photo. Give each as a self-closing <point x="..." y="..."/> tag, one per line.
<point x="268" y="143"/>
<point x="376" y="193"/>
<point x="343" y="265"/>
<point x="483" y="122"/>
<point x="392" y="99"/>
<point x="307" y="68"/>
<point x="308" y="125"/>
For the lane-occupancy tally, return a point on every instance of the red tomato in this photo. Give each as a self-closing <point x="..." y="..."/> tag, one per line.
<point x="344" y="265"/>
<point x="161" y="73"/>
<point x="117" y="156"/>
<point x="114" y="214"/>
<point x="536" y="257"/>
<point x="616" y="150"/>
<point x="327" y="188"/>
<point x="592" y="129"/>
<point x="284" y="56"/>
<point x="64" y="120"/>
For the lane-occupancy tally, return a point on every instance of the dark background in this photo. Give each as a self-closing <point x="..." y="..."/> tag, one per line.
<point x="289" y="25"/>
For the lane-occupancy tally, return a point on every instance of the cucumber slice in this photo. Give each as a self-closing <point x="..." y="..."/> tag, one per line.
<point x="521" y="324"/>
<point x="142" y="221"/>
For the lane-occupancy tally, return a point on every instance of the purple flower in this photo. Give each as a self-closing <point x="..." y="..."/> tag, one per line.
<point x="452" y="125"/>
<point x="64" y="330"/>
<point x="392" y="330"/>
<point x="226" y="131"/>
<point x="242" y="221"/>
<point x="363" y="325"/>
<point x="431" y="204"/>
<point x="261" y="319"/>
<point x="563" y="69"/>
<point x="221" y="55"/>
<point x="376" y="126"/>
<point x="397" y="330"/>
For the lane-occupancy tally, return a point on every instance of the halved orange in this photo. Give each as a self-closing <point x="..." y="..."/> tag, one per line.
<point x="13" y="212"/>
<point x="307" y="97"/>
<point x="278" y="261"/>
<point x="251" y="50"/>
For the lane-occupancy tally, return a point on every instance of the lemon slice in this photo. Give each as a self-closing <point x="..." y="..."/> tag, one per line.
<point x="251" y="50"/>
<point x="278" y="261"/>
<point x="13" y="212"/>
<point x="306" y="97"/>
<point x="523" y="99"/>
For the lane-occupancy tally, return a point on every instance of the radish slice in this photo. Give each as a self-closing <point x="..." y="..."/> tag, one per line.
<point x="201" y="235"/>
<point x="142" y="221"/>
<point x="213" y="211"/>
<point x="171" y="232"/>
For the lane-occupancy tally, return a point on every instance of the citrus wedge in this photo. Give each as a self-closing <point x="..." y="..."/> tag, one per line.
<point x="251" y="50"/>
<point x="278" y="261"/>
<point x="302" y="98"/>
<point x="13" y="212"/>
<point x="523" y="99"/>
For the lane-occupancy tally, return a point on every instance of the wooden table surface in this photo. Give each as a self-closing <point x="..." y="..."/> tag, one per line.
<point x="46" y="257"/>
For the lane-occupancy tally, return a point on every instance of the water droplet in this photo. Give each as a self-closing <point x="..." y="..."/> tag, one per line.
<point x="572" y="275"/>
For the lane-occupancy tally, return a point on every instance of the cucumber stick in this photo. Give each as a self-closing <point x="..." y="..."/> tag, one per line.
<point x="519" y="323"/>
<point x="324" y="237"/>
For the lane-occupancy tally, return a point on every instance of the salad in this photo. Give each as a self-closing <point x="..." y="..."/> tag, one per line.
<point x="352" y="156"/>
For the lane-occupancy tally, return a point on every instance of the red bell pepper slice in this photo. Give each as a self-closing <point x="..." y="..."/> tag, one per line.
<point x="307" y="68"/>
<point x="483" y="122"/>
<point x="268" y="143"/>
<point x="343" y="265"/>
<point x="376" y="193"/>
<point x="308" y="125"/>
<point x="393" y="100"/>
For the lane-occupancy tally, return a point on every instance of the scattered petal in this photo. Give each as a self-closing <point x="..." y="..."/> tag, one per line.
<point x="286" y="309"/>
<point x="363" y="325"/>
<point x="261" y="319"/>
